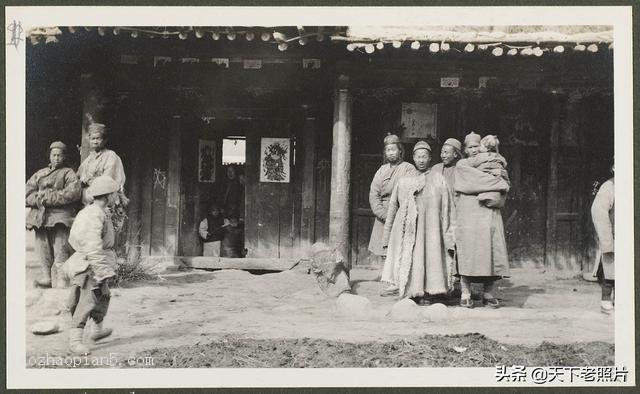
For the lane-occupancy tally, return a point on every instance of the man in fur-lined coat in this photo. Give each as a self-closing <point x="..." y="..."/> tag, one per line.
<point x="418" y="233"/>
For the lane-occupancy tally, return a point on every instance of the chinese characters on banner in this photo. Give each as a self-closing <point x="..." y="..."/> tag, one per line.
<point x="206" y="161"/>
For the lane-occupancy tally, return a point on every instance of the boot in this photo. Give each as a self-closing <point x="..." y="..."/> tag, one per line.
<point x="99" y="332"/>
<point x="75" y="342"/>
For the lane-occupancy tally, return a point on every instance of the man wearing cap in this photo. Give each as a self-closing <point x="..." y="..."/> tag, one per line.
<point x="52" y="194"/>
<point x="382" y="185"/>
<point x="101" y="161"/>
<point x="450" y="153"/>
<point x="479" y="231"/>
<point x="92" y="265"/>
<point x="418" y="233"/>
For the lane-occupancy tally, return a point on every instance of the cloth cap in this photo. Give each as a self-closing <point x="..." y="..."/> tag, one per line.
<point x="58" y="145"/>
<point x="102" y="185"/>
<point x="422" y="145"/>
<point x="472" y="137"/>
<point x="97" y="128"/>
<point x="391" y="139"/>
<point x="454" y="143"/>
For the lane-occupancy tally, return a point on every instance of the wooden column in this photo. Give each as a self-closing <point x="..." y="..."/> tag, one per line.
<point x="341" y="170"/>
<point x="307" y="231"/>
<point x="552" y="188"/>
<point x="94" y="102"/>
<point x="174" y="179"/>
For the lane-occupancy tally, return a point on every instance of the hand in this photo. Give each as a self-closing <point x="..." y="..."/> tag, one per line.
<point x="608" y="258"/>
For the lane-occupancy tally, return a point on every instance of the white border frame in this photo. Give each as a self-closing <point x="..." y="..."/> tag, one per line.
<point x="18" y="376"/>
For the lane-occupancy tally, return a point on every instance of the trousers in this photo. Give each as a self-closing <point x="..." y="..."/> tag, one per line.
<point x="52" y="249"/>
<point x="89" y="300"/>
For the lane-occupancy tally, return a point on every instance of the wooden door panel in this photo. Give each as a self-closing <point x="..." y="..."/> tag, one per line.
<point x="362" y="218"/>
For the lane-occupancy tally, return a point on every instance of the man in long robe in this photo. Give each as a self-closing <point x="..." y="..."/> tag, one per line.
<point x="382" y="186"/>
<point x="418" y="233"/>
<point x="602" y="214"/>
<point x="450" y="154"/>
<point x="102" y="161"/>
<point x="52" y="194"/>
<point x="479" y="231"/>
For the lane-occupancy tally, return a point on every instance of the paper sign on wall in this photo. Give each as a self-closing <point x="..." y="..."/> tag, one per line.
<point x="206" y="161"/>
<point x="419" y="120"/>
<point x="275" y="156"/>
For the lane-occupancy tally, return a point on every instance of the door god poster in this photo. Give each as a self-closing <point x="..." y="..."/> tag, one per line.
<point x="275" y="160"/>
<point x="206" y="161"/>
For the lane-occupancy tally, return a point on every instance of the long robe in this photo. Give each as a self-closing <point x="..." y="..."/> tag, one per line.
<point x="602" y="214"/>
<point x="105" y="162"/>
<point x="418" y="234"/>
<point x="380" y="191"/>
<point x="479" y="232"/>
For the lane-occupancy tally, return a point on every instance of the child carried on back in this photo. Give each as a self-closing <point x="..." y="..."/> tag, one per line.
<point x="491" y="162"/>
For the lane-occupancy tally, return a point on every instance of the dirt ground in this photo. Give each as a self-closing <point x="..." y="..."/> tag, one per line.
<point x="189" y="318"/>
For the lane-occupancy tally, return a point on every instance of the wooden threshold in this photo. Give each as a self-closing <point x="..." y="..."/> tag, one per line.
<point x="266" y="264"/>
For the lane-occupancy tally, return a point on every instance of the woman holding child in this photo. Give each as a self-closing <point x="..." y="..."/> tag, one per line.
<point x="481" y="185"/>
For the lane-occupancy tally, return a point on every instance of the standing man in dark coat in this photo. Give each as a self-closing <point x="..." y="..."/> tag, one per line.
<point x="52" y="194"/>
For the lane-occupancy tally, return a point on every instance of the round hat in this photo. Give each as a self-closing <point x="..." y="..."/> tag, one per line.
<point x="102" y="185"/>
<point x="472" y="137"/>
<point x="58" y="145"/>
<point x="97" y="128"/>
<point x="422" y="145"/>
<point x="391" y="139"/>
<point x="454" y="143"/>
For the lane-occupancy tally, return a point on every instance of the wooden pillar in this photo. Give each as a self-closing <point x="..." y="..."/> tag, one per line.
<point x="341" y="171"/>
<point x="552" y="187"/>
<point x="174" y="180"/>
<point x="308" y="219"/>
<point x="94" y="102"/>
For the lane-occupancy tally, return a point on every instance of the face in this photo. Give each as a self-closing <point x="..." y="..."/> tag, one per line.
<point x="56" y="157"/>
<point x="421" y="159"/>
<point x="96" y="141"/>
<point x="215" y="211"/>
<point x="231" y="173"/>
<point x="448" y="155"/>
<point x="392" y="153"/>
<point x="472" y="149"/>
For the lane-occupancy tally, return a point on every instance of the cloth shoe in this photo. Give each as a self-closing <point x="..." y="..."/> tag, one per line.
<point x="75" y="342"/>
<point x="390" y="291"/>
<point x="100" y="332"/>
<point x="606" y="307"/>
<point x="466" y="302"/>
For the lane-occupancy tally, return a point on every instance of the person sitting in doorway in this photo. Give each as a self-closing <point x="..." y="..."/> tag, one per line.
<point x="233" y="239"/>
<point x="211" y="231"/>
